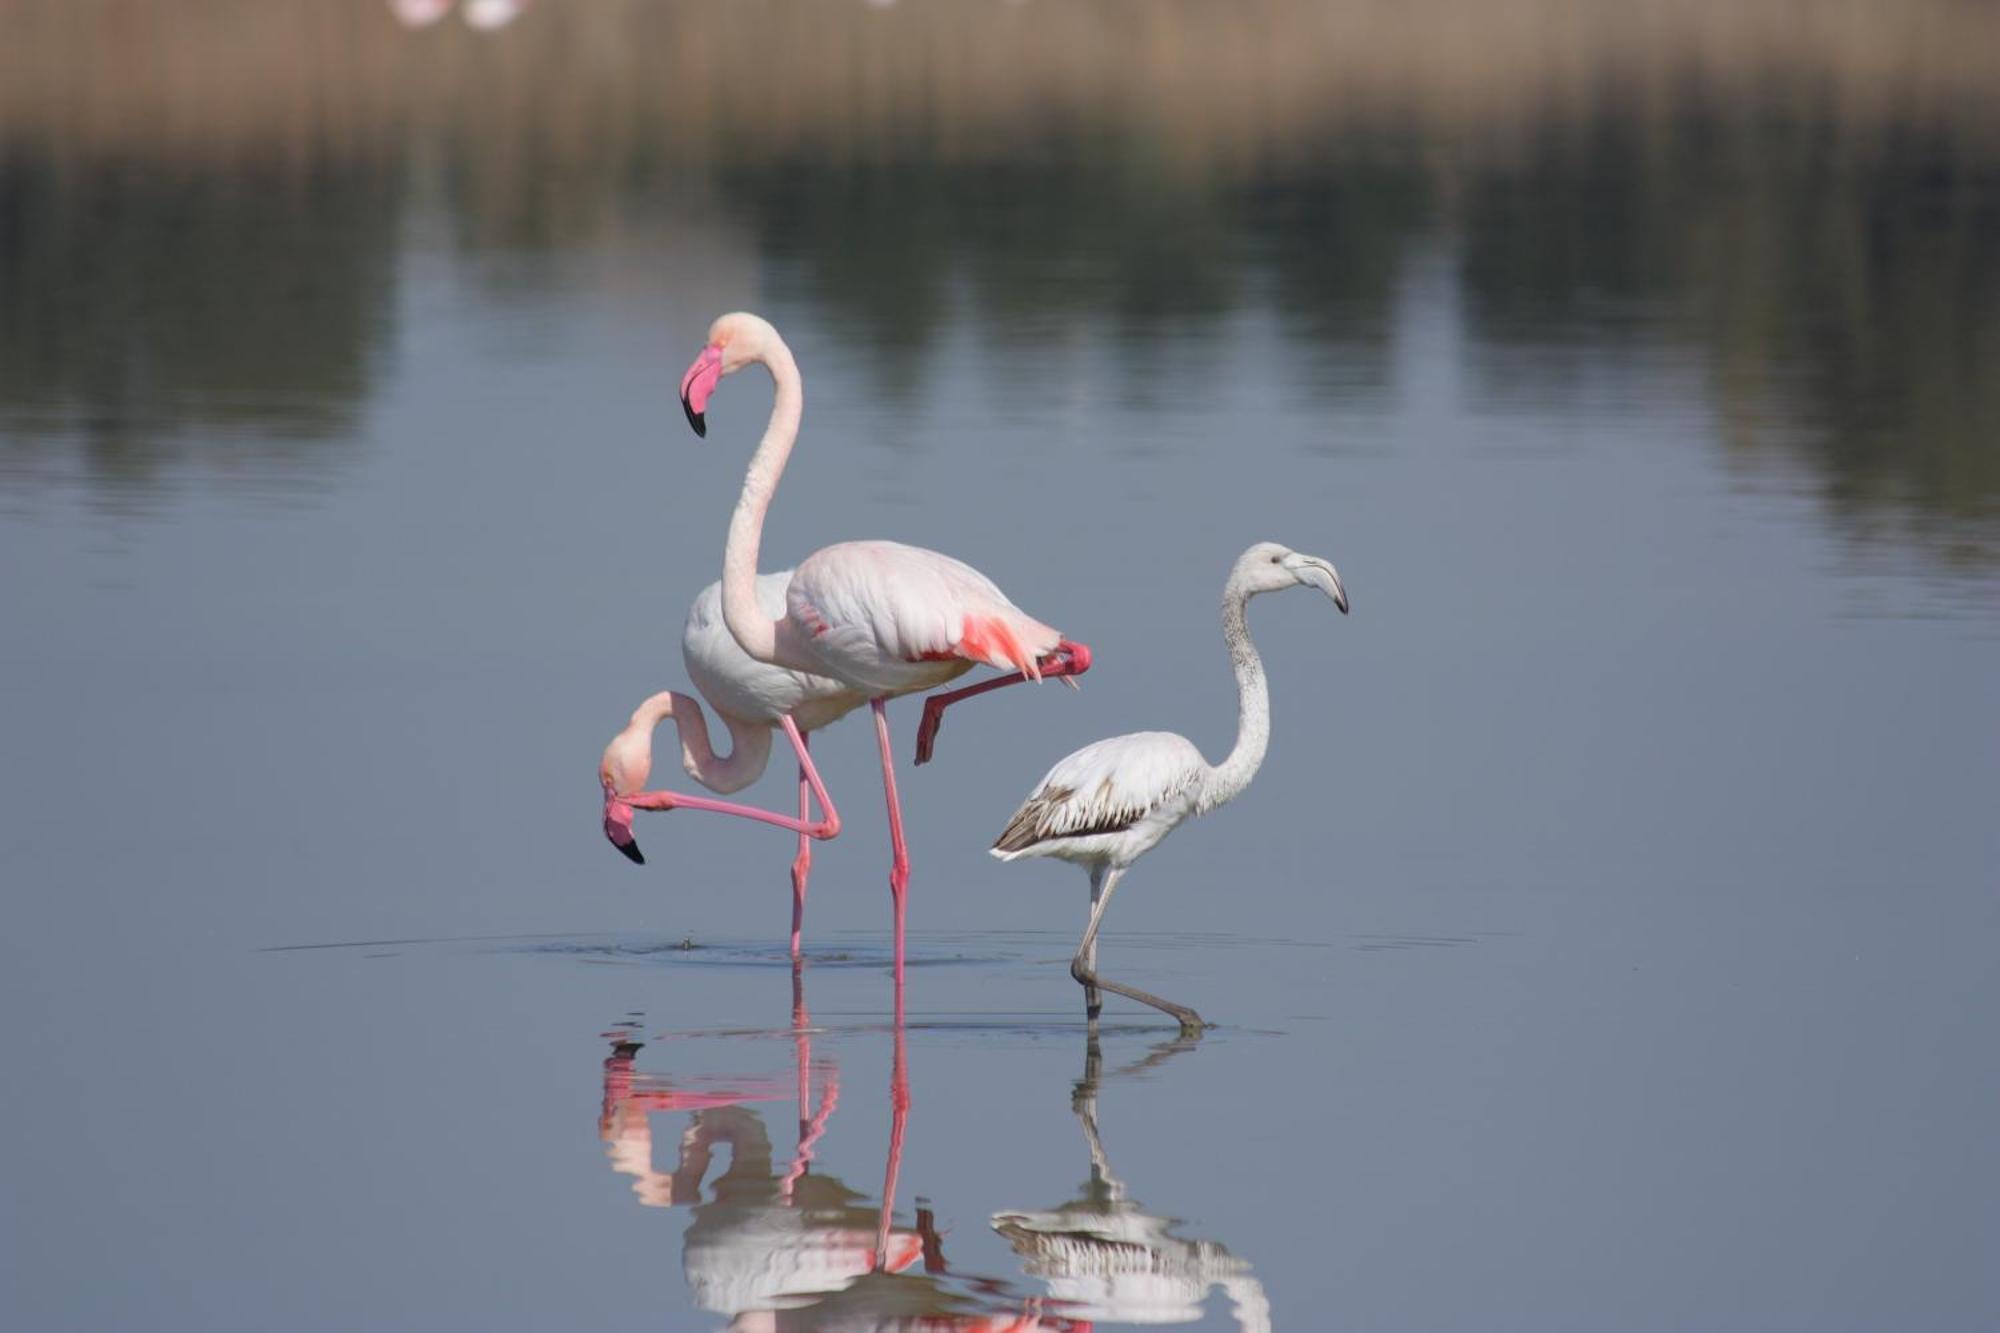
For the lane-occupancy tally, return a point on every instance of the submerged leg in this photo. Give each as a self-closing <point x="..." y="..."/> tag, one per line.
<point x="802" y="863"/>
<point x="1065" y="659"/>
<point x="618" y="808"/>
<point x="899" y="855"/>
<point x="1084" y="966"/>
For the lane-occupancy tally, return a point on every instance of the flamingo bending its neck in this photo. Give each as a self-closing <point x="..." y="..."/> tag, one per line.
<point x="1111" y="802"/>
<point x="752" y="699"/>
<point x="879" y="617"/>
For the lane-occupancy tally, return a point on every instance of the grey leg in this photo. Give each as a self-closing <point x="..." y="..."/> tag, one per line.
<point x="1084" y="966"/>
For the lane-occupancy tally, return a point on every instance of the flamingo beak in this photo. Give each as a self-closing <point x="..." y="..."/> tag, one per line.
<point x="698" y="384"/>
<point x="1317" y="573"/>
<point x="618" y="827"/>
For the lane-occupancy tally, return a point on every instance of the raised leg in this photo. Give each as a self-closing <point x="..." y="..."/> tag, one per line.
<point x="669" y="800"/>
<point x="1084" y="966"/>
<point x="802" y="863"/>
<point x="899" y="855"/>
<point x="1064" y="660"/>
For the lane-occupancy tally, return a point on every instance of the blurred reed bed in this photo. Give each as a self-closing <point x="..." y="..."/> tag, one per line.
<point x="1211" y="86"/>
<point x="1804" y="193"/>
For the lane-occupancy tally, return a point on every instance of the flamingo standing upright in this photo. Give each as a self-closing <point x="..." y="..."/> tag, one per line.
<point x="877" y="616"/>
<point x="752" y="698"/>
<point x="1111" y="802"/>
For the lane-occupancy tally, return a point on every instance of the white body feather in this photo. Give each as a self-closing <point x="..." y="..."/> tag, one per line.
<point x="1112" y="801"/>
<point x="738" y="686"/>
<point x="891" y="619"/>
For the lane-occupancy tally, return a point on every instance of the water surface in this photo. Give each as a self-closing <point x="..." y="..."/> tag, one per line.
<point x="1605" y="943"/>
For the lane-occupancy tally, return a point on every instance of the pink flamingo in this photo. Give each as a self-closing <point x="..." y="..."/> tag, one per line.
<point x="752" y="699"/>
<point x="879" y="617"/>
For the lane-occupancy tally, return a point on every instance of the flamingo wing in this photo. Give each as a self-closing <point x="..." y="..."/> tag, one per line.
<point x="889" y="602"/>
<point x="1106" y="787"/>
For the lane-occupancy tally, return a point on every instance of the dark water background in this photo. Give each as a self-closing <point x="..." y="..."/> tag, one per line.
<point x="1607" y="943"/>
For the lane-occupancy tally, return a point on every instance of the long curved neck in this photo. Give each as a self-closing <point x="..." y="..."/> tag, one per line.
<point x="757" y="634"/>
<point x="1253" y="705"/>
<point x="749" y="749"/>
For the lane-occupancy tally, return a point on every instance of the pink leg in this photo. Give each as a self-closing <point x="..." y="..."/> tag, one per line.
<point x="899" y="1115"/>
<point x="802" y="863"/>
<point x="1066" y="659"/>
<point x="668" y="800"/>
<point x="899" y="862"/>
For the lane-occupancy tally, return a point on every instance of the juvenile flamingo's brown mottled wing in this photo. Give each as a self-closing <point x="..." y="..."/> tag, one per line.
<point x="1105" y="787"/>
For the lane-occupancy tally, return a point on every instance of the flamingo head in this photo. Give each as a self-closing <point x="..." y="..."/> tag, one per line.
<point x="1268" y="567"/>
<point x="734" y="341"/>
<point x="627" y="763"/>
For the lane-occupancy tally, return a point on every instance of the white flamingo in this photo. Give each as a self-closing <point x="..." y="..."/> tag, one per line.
<point x="752" y="699"/>
<point x="1111" y="802"/>
<point x="485" y="15"/>
<point x="878" y="617"/>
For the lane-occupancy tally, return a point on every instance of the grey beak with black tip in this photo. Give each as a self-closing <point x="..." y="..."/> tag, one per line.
<point x="1317" y="573"/>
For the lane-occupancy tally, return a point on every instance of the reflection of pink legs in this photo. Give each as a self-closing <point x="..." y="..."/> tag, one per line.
<point x="899" y="855"/>
<point x="1065" y="659"/>
<point x="827" y="828"/>
<point x="899" y="1115"/>
<point x="802" y="863"/>
<point x="810" y="1128"/>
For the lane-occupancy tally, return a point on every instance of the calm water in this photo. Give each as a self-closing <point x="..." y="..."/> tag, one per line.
<point x="1607" y="942"/>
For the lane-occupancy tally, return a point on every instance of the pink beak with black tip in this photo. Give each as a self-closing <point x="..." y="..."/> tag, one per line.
<point x="697" y="385"/>
<point x="618" y="827"/>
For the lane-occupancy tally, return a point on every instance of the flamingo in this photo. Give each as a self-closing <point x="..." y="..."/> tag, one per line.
<point x="879" y="617"/>
<point x="1111" y="802"/>
<point x="485" y="15"/>
<point x="752" y="699"/>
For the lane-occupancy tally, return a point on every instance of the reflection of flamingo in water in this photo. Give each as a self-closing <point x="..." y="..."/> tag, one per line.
<point x="797" y="1250"/>
<point x="630" y="1097"/>
<point x="883" y="618"/>
<point x="1105" y="1258"/>
<point x="751" y="698"/>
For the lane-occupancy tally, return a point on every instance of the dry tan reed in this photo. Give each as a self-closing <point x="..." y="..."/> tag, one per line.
<point x="1209" y="84"/>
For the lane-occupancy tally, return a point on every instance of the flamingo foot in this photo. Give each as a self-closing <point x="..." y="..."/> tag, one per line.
<point x="1067" y="659"/>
